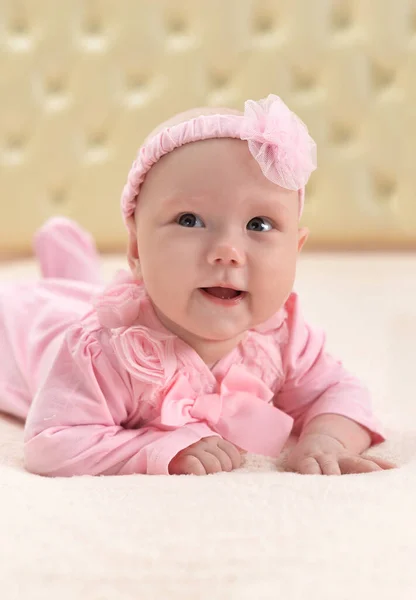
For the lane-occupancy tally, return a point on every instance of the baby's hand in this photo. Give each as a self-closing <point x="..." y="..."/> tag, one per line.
<point x="319" y="454"/>
<point x="209" y="455"/>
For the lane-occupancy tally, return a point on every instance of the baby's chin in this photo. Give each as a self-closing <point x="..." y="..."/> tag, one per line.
<point x="221" y="330"/>
<point x="218" y="337"/>
<point x="218" y="328"/>
<point x="206" y="332"/>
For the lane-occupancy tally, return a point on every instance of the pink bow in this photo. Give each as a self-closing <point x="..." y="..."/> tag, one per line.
<point x="240" y="413"/>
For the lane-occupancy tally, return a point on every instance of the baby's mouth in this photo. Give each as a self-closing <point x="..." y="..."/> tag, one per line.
<point x="223" y="293"/>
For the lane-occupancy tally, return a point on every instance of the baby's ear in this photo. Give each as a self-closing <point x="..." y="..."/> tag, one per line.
<point x="135" y="269"/>
<point x="303" y="234"/>
<point x="132" y="249"/>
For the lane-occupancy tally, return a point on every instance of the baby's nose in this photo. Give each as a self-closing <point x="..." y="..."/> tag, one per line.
<point x="227" y="254"/>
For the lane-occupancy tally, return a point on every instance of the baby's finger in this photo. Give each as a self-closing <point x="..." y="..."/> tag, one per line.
<point x="225" y="460"/>
<point x="187" y="465"/>
<point x="232" y="452"/>
<point x="309" y="466"/>
<point x="382" y="462"/>
<point x="329" y="465"/>
<point x="211" y="462"/>
<point x="352" y="465"/>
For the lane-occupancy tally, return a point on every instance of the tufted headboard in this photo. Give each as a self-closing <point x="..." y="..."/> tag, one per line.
<point x="83" y="82"/>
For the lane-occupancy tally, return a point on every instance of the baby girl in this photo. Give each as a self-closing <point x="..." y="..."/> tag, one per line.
<point x="199" y="353"/>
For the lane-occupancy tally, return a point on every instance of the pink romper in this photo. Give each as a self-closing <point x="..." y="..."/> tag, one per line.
<point x="104" y="388"/>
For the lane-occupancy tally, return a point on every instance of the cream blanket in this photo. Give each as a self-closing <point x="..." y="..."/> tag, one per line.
<point x="258" y="533"/>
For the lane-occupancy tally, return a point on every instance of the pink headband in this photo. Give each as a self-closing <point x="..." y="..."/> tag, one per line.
<point x="277" y="139"/>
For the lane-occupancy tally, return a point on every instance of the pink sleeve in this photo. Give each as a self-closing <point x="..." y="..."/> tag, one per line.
<point x="316" y="383"/>
<point x="74" y="426"/>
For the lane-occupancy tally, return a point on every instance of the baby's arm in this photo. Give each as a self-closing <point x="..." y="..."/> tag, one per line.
<point x="331" y="408"/>
<point x="74" y="426"/>
<point x="317" y="384"/>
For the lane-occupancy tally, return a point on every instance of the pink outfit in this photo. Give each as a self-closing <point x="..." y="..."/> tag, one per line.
<point x="106" y="389"/>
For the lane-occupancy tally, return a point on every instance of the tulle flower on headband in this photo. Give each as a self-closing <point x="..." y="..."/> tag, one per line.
<point x="279" y="141"/>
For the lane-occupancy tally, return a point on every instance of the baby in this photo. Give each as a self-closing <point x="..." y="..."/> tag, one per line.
<point x="199" y="353"/>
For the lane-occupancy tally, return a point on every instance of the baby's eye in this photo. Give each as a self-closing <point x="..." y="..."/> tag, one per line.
<point x="259" y="224"/>
<point x="190" y="220"/>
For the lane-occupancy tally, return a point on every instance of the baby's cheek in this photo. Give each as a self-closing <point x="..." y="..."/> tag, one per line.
<point x="272" y="292"/>
<point x="285" y="268"/>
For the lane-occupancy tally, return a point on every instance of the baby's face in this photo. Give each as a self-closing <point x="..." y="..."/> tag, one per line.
<point x="208" y="218"/>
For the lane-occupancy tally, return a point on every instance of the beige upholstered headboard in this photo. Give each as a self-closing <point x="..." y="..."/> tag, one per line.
<point x="82" y="82"/>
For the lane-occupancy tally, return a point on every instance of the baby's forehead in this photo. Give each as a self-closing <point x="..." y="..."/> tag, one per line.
<point x="217" y="162"/>
<point x="219" y="173"/>
<point x="192" y="113"/>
